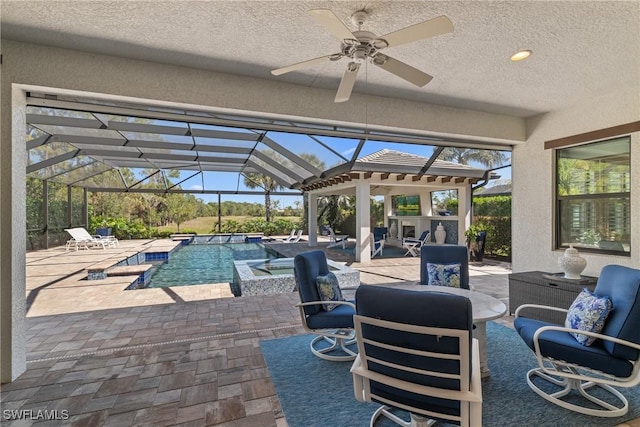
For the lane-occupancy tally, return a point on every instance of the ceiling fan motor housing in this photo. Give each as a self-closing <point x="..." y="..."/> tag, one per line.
<point x="365" y="45"/>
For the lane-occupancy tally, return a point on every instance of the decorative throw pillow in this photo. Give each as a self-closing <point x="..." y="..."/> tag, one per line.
<point x="329" y="290"/>
<point x="588" y="312"/>
<point x="444" y="274"/>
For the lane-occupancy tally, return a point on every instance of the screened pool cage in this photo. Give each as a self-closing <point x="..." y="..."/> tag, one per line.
<point x="78" y="147"/>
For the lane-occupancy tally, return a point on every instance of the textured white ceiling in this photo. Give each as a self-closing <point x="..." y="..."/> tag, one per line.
<point x="581" y="49"/>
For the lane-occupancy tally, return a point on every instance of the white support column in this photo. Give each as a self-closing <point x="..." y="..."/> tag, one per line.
<point x="388" y="210"/>
<point x="312" y="219"/>
<point x="13" y="337"/>
<point x="363" y="221"/>
<point x="464" y="212"/>
<point x="425" y="203"/>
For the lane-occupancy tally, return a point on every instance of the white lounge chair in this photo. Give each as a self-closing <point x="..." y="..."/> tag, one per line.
<point x="80" y="238"/>
<point x="295" y="238"/>
<point x="291" y="236"/>
<point x="339" y="240"/>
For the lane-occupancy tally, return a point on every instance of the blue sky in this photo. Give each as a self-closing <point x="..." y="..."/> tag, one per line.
<point x="343" y="151"/>
<point x="331" y="151"/>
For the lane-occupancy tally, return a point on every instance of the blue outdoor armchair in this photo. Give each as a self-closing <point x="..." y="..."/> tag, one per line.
<point x="567" y="368"/>
<point x="334" y="328"/>
<point x="445" y="254"/>
<point x="418" y="360"/>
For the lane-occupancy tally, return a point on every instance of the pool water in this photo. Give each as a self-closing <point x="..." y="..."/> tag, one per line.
<point x="273" y="267"/>
<point x="211" y="263"/>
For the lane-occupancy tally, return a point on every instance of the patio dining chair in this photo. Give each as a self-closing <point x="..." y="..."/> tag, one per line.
<point x="412" y="245"/>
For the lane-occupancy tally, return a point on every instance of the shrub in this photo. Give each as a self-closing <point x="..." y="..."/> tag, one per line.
<point x="123" y="228"/>
<point x="499" y="238"/>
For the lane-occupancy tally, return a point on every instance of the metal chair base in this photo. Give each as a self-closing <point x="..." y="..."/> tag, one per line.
<point x="569" y="384"/>
<point x="415" y="421"/>
<point x="336" y="344"/>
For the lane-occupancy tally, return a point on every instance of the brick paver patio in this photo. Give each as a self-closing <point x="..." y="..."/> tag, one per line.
<point x="186" y="356"/>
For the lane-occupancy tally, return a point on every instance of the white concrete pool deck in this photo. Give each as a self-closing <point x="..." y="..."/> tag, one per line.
<point x="56" y="281"/>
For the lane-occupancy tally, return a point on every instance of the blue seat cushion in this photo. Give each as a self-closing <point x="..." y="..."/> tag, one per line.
<point x="622" y="285"/>
<point x="563" y="346"/>
<point x="339" y="317"/>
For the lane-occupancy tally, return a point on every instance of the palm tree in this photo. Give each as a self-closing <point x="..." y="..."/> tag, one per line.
<point x="488" y="158"/>
<point x="258" y="180"/>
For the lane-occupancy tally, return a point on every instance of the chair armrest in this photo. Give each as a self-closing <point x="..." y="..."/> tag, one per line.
<point x="538" y="306"/>
<point x="306" y="304"/>
<point x="543" y="329"/>
<point x="569" y="374"/>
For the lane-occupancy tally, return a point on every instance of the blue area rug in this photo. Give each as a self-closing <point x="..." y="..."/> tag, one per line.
<point x="316" y="392"/>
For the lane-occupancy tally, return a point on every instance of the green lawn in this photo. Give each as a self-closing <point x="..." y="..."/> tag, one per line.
<point x="206" y="224"/>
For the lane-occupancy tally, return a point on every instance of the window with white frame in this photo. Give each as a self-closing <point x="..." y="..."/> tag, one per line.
<point x="593" y="210"/>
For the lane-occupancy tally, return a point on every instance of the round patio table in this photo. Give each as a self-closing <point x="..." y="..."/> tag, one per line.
<point x="485" y="308"/>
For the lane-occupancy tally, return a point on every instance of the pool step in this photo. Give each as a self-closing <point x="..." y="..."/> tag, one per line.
<point x="143" y="271"/>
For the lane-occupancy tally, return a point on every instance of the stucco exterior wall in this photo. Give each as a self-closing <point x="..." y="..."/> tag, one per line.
<point x="532" y="174"/>
<point x="61" y="68"/>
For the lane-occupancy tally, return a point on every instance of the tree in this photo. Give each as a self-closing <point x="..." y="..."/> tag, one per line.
<point x="488" y="158"/>
<point x="255" y="180"/>
<point x="180" y="208"/>
<point x="334" y="209"/>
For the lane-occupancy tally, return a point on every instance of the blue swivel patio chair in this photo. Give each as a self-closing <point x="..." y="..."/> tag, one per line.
<point x="584" y="372"/>
<point x="437" y="260"/>
<point x="331" y="320"/>
<point x="424" y="362"/>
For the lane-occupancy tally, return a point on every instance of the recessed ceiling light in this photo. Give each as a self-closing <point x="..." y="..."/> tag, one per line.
<point x="520" y="55"/>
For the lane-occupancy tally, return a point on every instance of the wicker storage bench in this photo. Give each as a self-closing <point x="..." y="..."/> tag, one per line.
<point x="538" y="287"/>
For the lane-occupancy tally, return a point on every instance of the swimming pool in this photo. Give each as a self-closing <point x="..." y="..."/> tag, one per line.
<point x="206" y="263"/>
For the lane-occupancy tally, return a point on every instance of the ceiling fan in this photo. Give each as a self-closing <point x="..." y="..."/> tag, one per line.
<point x="360" y="46"/>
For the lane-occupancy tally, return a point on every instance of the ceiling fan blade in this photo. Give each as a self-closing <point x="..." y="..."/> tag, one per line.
<point x="332" y="23"/>
<point x="424" y="30"/>
<point x="347" y="82"/>
<point x="304" y="64"/>
<point x="402" y="70"/>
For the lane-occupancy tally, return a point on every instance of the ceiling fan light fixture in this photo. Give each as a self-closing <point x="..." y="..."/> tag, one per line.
<point x="380" y="59"/>
<point x="520" y="55"/>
